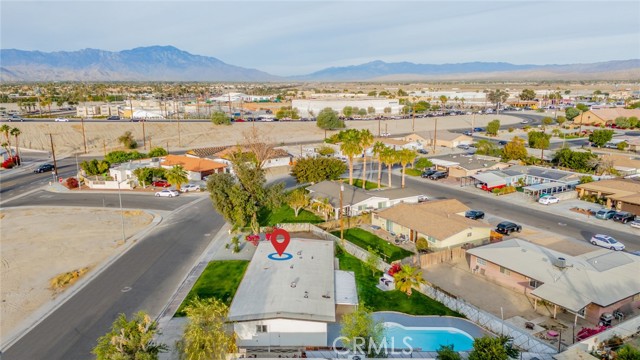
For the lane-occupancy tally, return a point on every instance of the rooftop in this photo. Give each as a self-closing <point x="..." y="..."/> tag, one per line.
<point x="439" y="219"/>
<point x="353" y="195"/>
<point x="472" y="162"/>
<point x="603" y="277"/>
<point x="191" y="163"/>
<point x="302" y="288"/>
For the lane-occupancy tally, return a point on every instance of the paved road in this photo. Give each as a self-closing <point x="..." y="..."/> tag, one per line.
<point x="86" y="199"/>
<point x="152" y="269"/>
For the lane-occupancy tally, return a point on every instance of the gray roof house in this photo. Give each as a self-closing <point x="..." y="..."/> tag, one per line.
<point x="356" y="200"/>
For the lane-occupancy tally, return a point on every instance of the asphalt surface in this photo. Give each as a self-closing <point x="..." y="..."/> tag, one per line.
<point x="144" y="278"/>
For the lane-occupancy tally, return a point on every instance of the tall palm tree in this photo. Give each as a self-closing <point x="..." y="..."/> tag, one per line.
<point x="378" y="148"/>
<point x="366" y="140"/>
<point x="407" y="278"/>
<point x="177" y="176"/>
<point x="405" y="157"/>
<point x="443" y="99"/>
<point x="389" y="157"/>
<point x="16" y="132"/>
<point x="350" y="147"/>
<point x="5" y="129"/>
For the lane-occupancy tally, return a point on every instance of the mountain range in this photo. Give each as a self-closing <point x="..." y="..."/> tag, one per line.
<point x="168" y="63"/>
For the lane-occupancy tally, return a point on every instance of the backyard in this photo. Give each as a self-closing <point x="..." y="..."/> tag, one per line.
<point x="378" y="300"/>
<point x="285" y="214"/>
<point x="364" y="239"/>
<point x="220" y="280"/>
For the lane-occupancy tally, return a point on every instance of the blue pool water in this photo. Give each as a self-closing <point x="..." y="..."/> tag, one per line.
<point x="427" y="339"/>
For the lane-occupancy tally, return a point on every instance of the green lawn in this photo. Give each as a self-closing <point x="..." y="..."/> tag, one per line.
<point x="285" y="214"/>
<point x="366" y="239"/>
<point x="413" y="172"/>
<point x="378" y="300"/>
<point x="220" y="280"/>
<point x="368" y="186"/>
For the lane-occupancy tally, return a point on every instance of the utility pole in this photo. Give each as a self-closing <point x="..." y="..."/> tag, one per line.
<point x="84" y="138"/>
<point x="53" y="154"/>
<point x="144" y="137"/>
<point x="340" y="215"/>
<point x="379" y="119"/>
<point x="104" y="147"/>
<point x="413" y="118"/>
<point x="179" y="141"/>
<point x="435" y="135"/>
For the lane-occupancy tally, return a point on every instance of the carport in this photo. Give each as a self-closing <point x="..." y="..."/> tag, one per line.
<point x="489" y="180"/>
<point x="545" y="188"/>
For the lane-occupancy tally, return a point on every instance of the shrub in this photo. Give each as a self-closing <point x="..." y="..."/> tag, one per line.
<point x="72" y="183"/>
<point x="326" y="150"/>
<point x="10" y="162"/>
<point x="511" y="129"/>
<point x="67" y="278"/>
<point x="127" y="140"/>
<point x="422" y="244"/>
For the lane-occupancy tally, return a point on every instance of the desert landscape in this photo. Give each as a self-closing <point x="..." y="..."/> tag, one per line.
<point x="41" y="243"/>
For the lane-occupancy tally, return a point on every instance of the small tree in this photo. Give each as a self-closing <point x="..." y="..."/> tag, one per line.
<point x="220" y="118"/>
<point x="314" y="170"/>
<point x="539" y="140"/>
<point x="546" y="121"/>
<point x="571" y="113"/>
<point x="407" y="278"/>
<point x="422" y="244"/>
<point x="95" y="167"/>
<point x="622" y="145"/>
<point x="204" y="335"/>
<point x="514" y="150"/>
<point x="561" y="120"/>
<point x="298" y="199"/>
<point x="130" y="339"/>
<point x="446" y="352"/>
<point x="405" y="157"/>
<point x="326" y="150"/>
<point x="627" y="352"/>
<point x="601" y="137"/>
<point x="177" y="176"/>
<point x="158" y="152"/>
<point x="372" y="260"/>
<point x="493" y="126"/>
<point x="327" y="119"/>
<point x="347" y="111"/>
<point x="360" y="325"/>
<point x="127" y="140"/>
<point x="423" y="163"/>
<point x="488" y="348"/>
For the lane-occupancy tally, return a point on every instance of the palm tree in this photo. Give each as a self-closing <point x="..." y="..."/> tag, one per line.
<point x="5" y="129"/>
<point x="378" y="148"/>
<point x="16" y="132"/>
<point x="366" y="139"/>
<point x="389" y="157"/>
<point x="443" y="99"/>
<point x="177" y="176"/>
<point x="407" y="278"/>
<point x="323" y="206"/>
<point x="405" y="157"/>
<point x="350" y="146"/>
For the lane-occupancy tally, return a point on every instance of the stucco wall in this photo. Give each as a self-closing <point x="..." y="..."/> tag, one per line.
<point x="281" y="332"/>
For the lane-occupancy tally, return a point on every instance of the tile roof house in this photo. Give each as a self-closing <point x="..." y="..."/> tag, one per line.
<point x="604" y="116"/>
<point x="621" y="194"/>
<point x="467" y="165"/>
<point x="196" y="168"/>
<point x="441" y="222"/>
<point x="625" y="164"/>
<point x="356" y="200"/>
<point x="586" y="285"/>
<point x="443" y="138"/>
<point x="290" y="303"/>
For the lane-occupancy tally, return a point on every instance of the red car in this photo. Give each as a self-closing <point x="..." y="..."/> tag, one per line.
<point x="161" y="183"/>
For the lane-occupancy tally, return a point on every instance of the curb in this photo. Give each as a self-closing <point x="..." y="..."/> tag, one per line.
<point x="37" y="317"/>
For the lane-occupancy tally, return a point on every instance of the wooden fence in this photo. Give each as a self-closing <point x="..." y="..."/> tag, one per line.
<point x="441" y="256"/>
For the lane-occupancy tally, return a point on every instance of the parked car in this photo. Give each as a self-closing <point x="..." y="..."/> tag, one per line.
<point x="191" y="187"/>
<point x="167" y="193"/>
<point x="503" y="142"/>
<point x="15" y="118"/>
<point x="428" y="172"/>
<point x="507" y="227"/>
<point x="605" y="214"/>
<point x="623" y="217"/>
<point x="385" y="134"/>
<point x="546" y="200"/>
<point x="422" y="151"/>
<point x="438" y="175"/>
<point x="161" y="183"/>
<point x="468" y="133"/>
<point x="636" y="253"/>
<point x="114" y="117"/>
<point x="463" y="146"/>
<point x="525" y="121"/>
<point x="635" y="224"/>
<point x="474" y="214"/>
<point x="61" y="120"/>
<point x="43" y="168"/>
<point x="478" y="129"/>
<point x="607" y="241"/>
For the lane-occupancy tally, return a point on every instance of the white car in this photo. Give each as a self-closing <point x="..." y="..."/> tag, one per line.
<point x="525" y="121"/>
<point x="61" y="120"/>
<point x="385" y="134"/>
<point x="635" y="224"/>
<point x="167" y="193"/>
<point x="607" y="241"/>
<point x="191" y="187"/>
<point x="546" y="200"/>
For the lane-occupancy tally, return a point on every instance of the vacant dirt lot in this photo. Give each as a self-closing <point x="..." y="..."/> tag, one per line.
<point x="40" y="243"/>
<point x="101" y="137"/>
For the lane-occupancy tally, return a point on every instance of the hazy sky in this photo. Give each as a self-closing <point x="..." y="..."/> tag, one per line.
<point x="299" y="37"/>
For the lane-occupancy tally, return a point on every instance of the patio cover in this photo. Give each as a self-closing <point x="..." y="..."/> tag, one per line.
<point x="490" y="179"/>
<point x="545" y="186"/>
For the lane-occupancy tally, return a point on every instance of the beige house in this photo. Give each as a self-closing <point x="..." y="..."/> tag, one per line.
<point x="461" y="166"/>
<point x="621" y="194"/>
<point x="626" y="165"/>
<point x="441" y="222"/>
<point x="604" y="116"/>
<point x="444" y="138"/>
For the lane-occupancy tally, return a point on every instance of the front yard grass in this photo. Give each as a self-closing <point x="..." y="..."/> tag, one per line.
<point x="220" y="280"/>
<point x="378" y="300"/>
<point x="365" y="239"/>
<point x="413" y="172"/>
<point x="285" y="214"/>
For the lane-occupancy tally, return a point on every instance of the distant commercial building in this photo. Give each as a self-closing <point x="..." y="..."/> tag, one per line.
<point x="233" y="97"/>
<point x="311" y="107"/>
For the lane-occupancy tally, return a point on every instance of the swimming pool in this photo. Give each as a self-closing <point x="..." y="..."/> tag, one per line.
<point x="426" y="338"/>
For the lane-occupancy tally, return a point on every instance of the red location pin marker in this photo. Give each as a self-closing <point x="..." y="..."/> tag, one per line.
<point x="280" y="246"/>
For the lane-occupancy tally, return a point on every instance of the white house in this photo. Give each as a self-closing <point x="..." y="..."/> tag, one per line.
<point x="124" y="171"/>
<point x="221" y="154"/>
<point x="355" y="200"/>
<point x="288" y="303"/>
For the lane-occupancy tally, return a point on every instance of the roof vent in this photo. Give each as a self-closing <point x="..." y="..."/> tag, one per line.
<point x="561" y="262"/>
